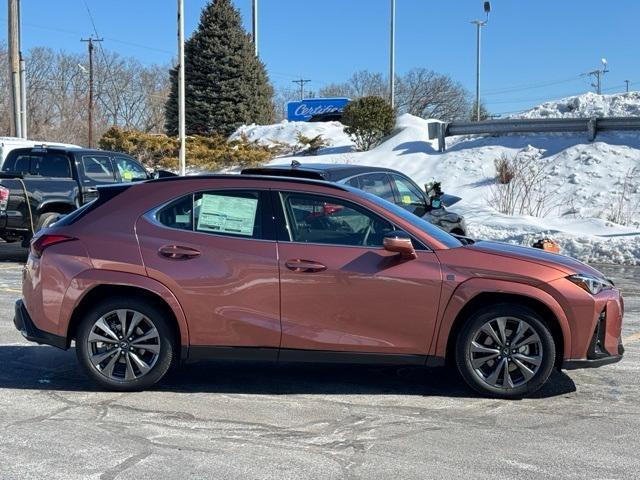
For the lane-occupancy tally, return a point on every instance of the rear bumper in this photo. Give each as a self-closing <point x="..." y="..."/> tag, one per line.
<point x="25" y="325"/>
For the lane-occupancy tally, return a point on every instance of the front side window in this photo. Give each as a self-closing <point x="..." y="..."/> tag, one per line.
<point x="233" y="213"/>
<point x="410" y="197"/>
<point x="333" y="221"/>
<point x="377" y="184"/>
<point x="98" y="168"/>
<point x="129" y="170"/>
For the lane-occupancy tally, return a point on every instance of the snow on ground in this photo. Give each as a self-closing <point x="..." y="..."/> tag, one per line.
<point x="588" y="105"/>
<point x="584" y="179"/>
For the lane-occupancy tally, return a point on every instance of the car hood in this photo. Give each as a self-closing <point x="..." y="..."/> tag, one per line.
<point x="565" y="264"/>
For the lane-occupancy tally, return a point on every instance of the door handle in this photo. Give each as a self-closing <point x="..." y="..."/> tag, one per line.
<point x="177" y="252"/>
<point x="90" y="189"/>
<point x="304" y="266"/>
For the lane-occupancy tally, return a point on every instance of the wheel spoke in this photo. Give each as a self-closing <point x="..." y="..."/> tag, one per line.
<point x="122" y="317"/>
<point x="95" y="337"/>
<point x="477" y="348"/>
<point x="129" y="373"/>
<point x="488" y="329"/>
<point x="478" y="362"/>
<point x="135" y="321"/>
<point x="493" y="378"/>
<point x="153" y="333"/>
<point x="537" y="360"/>
<point x="98" y="358"/>
<point x="102" y="325"/>
<point x="149" y="347"/>
<point x="142" y="365"/>
<point x="533" y="338"/>
<point x="519" y="332"/>
<point x="506" y="377"/>
<point x="502" y="324"/>
<point x="527" y="373"/>
<point x="108" y="369"/>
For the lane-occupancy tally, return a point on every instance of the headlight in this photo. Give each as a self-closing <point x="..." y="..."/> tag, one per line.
<point x="593" y="285"/>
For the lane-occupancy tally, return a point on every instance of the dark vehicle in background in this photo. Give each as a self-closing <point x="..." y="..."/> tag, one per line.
<point x="38" y="185"/>
<point x="383" y="182"/>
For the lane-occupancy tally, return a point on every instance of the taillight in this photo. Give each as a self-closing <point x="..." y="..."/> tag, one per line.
<point x="39" y="244"/>
<point x="4" y="198"/>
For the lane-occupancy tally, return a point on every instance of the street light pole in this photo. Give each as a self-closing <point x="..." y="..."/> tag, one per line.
<point x="181" y="89"/>
<point x="254" y="23"/>
<point x="392" y="56"/>
<point x="479" y="24"/>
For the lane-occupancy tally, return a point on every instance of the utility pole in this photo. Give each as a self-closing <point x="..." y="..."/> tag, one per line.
<point x="627" y="82"/>
<point x="392" y="56"/>
<point x="90" y="41"/>
<point x="14" y="66"/>
<point x="181" y="91"/>
<point x="23" y="97"/>
<point x="302" y="83"/>
<point x="254" y="22"/>
<point x="479" y="24"/>
<point x="598" y="74"/>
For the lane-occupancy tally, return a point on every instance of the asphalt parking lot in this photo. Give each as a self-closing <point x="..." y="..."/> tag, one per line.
<point x="243" y="420"/>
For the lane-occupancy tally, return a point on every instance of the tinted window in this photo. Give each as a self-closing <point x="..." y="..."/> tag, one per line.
<point x="377" y="184"/>
<point x="18" y="164"/>
<point x="98" y="168"/>
<point x="129" y="170"/>
<point x="51" y="165"/>
<point x="236" y="213"/>
<point x="320" y="219"/>
<point x="409" y="196"/>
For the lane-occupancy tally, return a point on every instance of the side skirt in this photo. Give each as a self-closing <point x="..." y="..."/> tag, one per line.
<point x="257" y="354"/>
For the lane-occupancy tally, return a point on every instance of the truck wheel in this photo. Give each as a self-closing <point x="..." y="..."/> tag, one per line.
<point x="47" y="219"/>
<point x="125" y="344"/>
<point x="505" y="351"/>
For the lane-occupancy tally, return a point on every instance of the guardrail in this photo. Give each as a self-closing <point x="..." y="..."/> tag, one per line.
<point x="535" y="125"/>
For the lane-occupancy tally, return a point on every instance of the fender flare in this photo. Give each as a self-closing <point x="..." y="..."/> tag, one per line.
<point x="89" y="279"/>
<point x="470" y="289"/>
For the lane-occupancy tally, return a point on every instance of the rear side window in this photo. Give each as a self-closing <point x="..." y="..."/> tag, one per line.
<point x="98" y="168"/>
<point x="18" y="164"/>
<point x="233" y="213"/>
<point x="51" y="165"/>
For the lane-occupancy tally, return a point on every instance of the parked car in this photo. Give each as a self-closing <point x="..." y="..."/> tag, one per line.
<point x="386" y="183"/>
<point x="55" y="181"/>
<point x="256" y="267"/>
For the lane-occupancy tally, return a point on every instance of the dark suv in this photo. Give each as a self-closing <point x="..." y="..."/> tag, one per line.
<point x="386" y="183"/>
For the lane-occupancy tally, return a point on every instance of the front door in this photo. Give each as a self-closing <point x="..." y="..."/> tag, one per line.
<point x="215" y="251"/>
<point x="341" y="291"/>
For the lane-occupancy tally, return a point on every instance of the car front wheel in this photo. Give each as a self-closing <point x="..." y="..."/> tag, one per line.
<point x="125" y="344"/>
<point x="505" y="351"/>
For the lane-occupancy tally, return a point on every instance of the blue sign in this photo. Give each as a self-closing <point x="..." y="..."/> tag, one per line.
<point x="305" y="109"/>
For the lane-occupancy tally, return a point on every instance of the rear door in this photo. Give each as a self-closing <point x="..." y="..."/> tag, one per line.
<point x="341" y="291"/>
<point x="94" y="169"/>
<point x="216" y="251"/>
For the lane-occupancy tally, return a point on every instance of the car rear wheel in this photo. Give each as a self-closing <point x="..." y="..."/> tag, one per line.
<point x="505" y="351"/>
<point x="47" y="219"/>
<point x="125" y="344"/>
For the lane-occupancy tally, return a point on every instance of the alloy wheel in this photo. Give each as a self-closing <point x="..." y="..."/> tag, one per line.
<point x="123" y="345"/>
<point x="505" y="352"/>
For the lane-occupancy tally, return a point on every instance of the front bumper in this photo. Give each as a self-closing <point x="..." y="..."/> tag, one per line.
<point x="25" y="325"/>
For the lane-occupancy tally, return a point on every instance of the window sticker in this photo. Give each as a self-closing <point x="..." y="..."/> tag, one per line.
<point x="222" y="214"/>
<point x="406" y="199"/>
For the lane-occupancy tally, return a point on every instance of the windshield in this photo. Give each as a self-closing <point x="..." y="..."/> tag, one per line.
<point x="431" y="230"/>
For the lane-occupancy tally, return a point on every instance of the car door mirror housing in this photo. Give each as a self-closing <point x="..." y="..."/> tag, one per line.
<point x="400" y="242"/>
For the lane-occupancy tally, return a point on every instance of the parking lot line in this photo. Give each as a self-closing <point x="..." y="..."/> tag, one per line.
<point x="631" y="338"/>
<point x="10" y="290"/>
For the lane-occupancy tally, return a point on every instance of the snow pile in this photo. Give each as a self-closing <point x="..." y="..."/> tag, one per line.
<point x="286" y="134"/>
<point x="588" y="105"/>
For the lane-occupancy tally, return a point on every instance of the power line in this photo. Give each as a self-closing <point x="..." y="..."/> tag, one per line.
<point x="302" y="83"/>
<point x="531" y="86"/>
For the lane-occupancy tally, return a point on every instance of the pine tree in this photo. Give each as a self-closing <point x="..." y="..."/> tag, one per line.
<point x="226" y="85"/>
<point x="484" y="113"/>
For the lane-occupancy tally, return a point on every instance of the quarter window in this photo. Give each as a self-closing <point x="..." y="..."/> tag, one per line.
<point x="98" y="168"/>
<point x="329" y="220"/>
<point x="237" y="213"/>
<point x="51" y="165"/>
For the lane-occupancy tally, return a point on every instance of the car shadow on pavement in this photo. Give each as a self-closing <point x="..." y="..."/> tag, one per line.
<point x="13" y="252"/>
<point x="47" y="368"/>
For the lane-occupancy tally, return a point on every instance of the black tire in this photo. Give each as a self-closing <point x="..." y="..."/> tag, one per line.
<point x="165" y="342"/>
<point x="480" y="377"/>
<point x="47" y="219"/>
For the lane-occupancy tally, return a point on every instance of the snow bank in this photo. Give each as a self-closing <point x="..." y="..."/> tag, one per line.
<point x="588" y="105"/>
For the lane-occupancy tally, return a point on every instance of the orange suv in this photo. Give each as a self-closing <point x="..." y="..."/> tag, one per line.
<point x="251" y="267"/>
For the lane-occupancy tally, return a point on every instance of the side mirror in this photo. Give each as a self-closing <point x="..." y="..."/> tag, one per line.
<point x="400" y="242"/>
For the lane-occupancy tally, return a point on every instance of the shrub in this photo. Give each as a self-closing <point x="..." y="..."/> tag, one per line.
<point x="203" y="152"/>
<point x="311" y="145"/>
<point x="505" y="169"/>
<point x="368" y="120"/>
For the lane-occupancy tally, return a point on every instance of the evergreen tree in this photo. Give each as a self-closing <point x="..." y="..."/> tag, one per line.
<point x="225" y="84"/>
<point x="484" y="113"/>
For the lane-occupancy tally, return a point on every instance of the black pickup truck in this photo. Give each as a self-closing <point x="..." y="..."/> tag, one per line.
<point x="38" y="185"/>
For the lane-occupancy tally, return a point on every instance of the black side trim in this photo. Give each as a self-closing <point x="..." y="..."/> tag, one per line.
<point x="25" y="325"/>
<point x="595" y="363"/>
<point x="205" y="352"/>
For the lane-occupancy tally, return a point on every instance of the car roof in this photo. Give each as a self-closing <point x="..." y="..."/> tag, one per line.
<point x="58" y="149"/>
<point x="321" y="171"/>
<point x="264" y="178"/>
